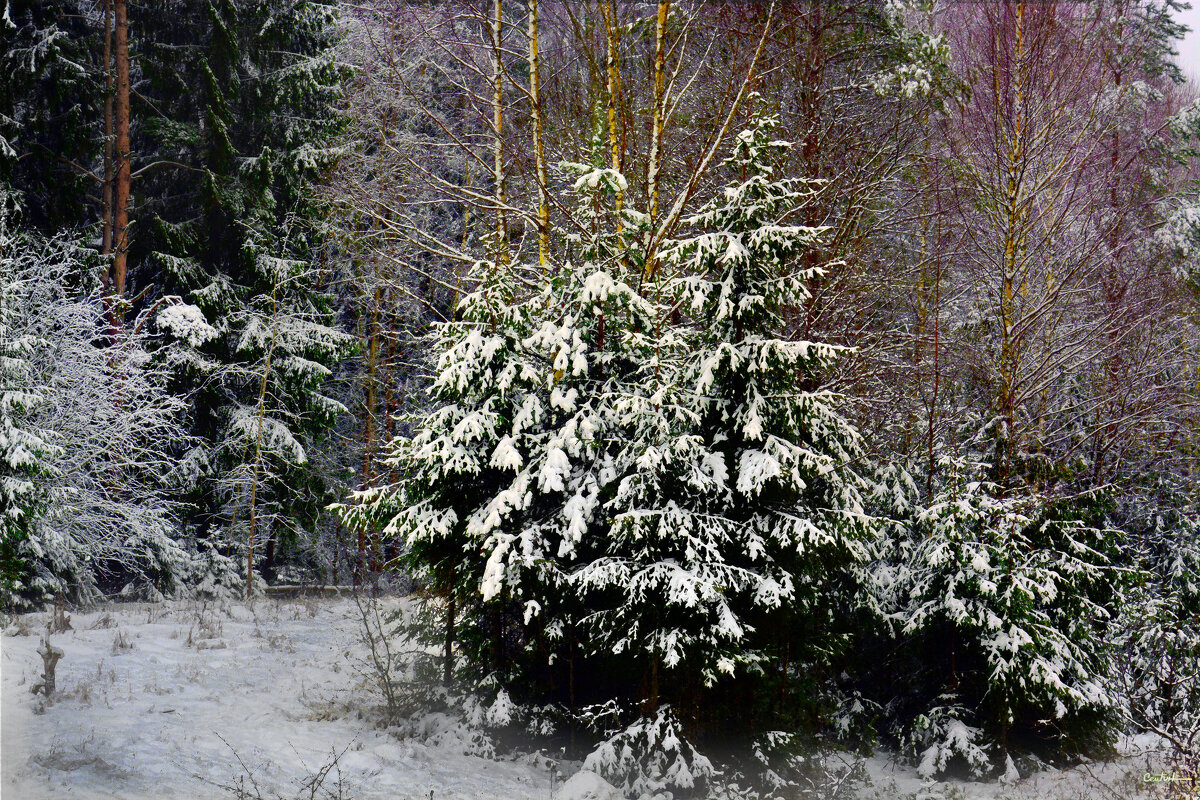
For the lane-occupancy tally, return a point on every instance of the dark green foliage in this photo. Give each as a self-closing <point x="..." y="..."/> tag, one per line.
<point x="237" y="103"/>
<point x="51" y="111"/>
<point x="997" y="610"/>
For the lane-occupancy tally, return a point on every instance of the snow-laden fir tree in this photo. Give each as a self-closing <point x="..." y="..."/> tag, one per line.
<point x="500" y="481"/>
<point x="659" y="500"/>
<point x="50" y="109"/>
<point x="464" y="472"/>
<point x="1001" y="604"/>
<point x="23" y="447"/>
<point x="1158" y="635"/>
<point x="243" y="94"/>
<point x="283" y="345"/>
<point x="593" y="337"/>
<point x="725" y="538"/>
<point x="494" y="495"/>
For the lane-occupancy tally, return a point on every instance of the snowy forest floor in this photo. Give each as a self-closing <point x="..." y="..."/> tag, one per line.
<point x="193" y="700"/>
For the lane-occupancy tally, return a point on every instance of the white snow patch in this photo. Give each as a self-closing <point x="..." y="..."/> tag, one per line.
<point x="148" y="721"/>
<point x="153" y="720"/>
<point x="587" y="785"/>
<point x="186" y="322"/>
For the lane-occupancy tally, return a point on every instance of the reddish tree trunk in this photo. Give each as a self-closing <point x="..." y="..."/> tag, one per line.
<point x="107" y="202"/>
<point x="121" y="178"/>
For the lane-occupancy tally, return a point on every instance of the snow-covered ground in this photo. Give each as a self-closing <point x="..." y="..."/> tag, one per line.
<point x="184" y="700"/>
<point x="273" y="685"/>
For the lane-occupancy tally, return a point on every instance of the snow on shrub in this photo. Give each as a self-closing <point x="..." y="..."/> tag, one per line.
<point x="651" y="758"/>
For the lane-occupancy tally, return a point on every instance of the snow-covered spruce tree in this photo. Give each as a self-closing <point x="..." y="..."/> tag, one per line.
<point x="1000" y="604"/>
<point x="619" y="500"/>
<point x="1161" y="637"/>
<point x="50" y="109"/>
<point x="1158" y="663"/>
<point x="239" y="127"/>
<point x="610" y="359"/>
<point x="489" y="502"/>
<point x="276" y="408"/>
<point x="717" y="564"/>
<point x="500" y="482"/>
<point x="463" y="471"/>
<point x="23" y="447"/>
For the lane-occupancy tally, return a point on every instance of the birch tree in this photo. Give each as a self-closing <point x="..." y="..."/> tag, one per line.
<point x="108" y="425"/>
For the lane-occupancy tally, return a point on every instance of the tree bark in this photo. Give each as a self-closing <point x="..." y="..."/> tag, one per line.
<point x="50" y="658"/>
<point x="539" y="153"/>
<point x="122" y="156"/>
<point x="654" y="167"/>
<point x="106" y="239"/>
<point x="656" y="130"/>
<point x="448" y="646"/>
<point x="498" y="132"/>
<point x="612" y="32"/>
<point x="370" y="403"/>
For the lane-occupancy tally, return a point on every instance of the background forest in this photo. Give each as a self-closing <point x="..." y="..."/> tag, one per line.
<point x="728" y="380"/>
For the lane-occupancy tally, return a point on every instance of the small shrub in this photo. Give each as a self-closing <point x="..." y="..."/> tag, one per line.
<point x="121" y="643"/>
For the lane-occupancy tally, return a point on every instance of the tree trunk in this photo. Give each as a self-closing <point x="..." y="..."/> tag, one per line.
<point x="1013" y="245"/>
<point x="571" y="691"/>
<point x="656" y="130"/>
<point x="616" y="143"/>
<point x="121" y="178"/>
<point x="539" y="153"/>
<point x="370" y="403"/>
<point x="448" y="648"/>
<point x="106" y="238"/>
<point x="268" y="563"/>
<point x="498" y="132"/>
<point x="654" y="167"/>
<point x="50" y="658"/>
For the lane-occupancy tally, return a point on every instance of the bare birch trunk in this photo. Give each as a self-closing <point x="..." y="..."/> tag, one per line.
<point x="502" y="255"/>
<point x="539" y="153"/>
<point x="1013" y="248"/>
<point x="656" y="130"/>
<point x="612" y="33"/>
<point x="656" y="126"/>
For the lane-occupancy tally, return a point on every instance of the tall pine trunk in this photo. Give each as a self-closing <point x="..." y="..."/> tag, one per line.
<point x="106" y="210"/>
<point x="121" y="161"/>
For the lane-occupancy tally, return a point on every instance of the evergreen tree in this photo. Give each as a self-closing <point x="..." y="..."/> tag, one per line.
<point x="237" y="127"/>
<point x="747" y="489"/>
<point x="634" y="493"/>
<point x="500" y="480"/>
<point x="1002" y="605"/>
<point x="23" y="448"/>
<point x="233" y="120"/>
<point x="464" y="472"/>
<point x="735" y="516"/>
<point x="51" y="110"/>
